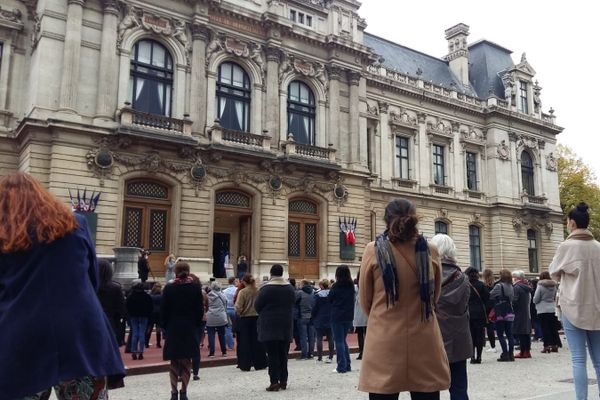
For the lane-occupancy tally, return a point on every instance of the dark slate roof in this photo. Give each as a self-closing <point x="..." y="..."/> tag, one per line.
<point x="487" y="63"/>
<point x="408" y="61"/>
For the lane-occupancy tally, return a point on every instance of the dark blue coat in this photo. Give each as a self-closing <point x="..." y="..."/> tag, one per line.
<point x="342" y="303"/>
<point x="52" y="327"/>
<point x="321" y="311"/>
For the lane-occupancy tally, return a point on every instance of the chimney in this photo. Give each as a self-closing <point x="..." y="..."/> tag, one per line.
<point x="458" y="52"/>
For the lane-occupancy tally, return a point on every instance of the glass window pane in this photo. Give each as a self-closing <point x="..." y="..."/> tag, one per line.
<point x="158" y="55"/>
<point x="144" y="52"/>
<point x="238" y="76"/>
<point x="304" y="98"/>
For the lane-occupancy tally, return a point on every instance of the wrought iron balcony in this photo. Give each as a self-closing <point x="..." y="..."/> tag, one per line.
<point x="155" y="122"/>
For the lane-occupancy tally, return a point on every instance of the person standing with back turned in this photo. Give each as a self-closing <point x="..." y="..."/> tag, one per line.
<point x="576" y="265"/>
<point x="400" y="284"/>
<point x="274" y="305"/>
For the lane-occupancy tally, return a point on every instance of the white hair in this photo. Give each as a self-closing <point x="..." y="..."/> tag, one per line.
<point x="215" y="286"/>
<point x="445" y="246"/>
<point x="518" y="274"/>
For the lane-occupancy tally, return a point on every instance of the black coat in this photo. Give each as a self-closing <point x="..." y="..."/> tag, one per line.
<point x="478" y="301"/>
<point x="522" y="323"/>
<point x="139" y="303"/>
<point x="113" y="303"/>
<point x="143" y="269"/>
<point x="181" y="312"/>
<point x="342" y="303"/>
<point x="275" y="305"/>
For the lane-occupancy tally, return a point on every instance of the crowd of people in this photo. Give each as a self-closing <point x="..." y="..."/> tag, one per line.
<point x="426" y="317"/>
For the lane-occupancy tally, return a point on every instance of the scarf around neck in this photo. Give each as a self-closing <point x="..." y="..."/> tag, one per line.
<point x="391" y="280"/>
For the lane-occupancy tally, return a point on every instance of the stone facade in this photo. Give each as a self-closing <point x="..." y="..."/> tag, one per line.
<point x="185" y="183"/>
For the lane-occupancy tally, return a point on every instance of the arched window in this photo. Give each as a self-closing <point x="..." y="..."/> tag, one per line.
<point x="233" y="97"/>
<point x="151" y="78"/>
<point x="441" y="227"/>
<point x="532" y="249"/>
<point x="527" y="173"/>
<point x="475" y="246"/>
<point x="301" y="113"/>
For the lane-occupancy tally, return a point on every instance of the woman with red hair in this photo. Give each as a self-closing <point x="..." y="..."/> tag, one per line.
<point x="49" y="278"/>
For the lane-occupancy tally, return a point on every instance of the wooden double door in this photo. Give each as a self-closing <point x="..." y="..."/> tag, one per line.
<point x="303" y="247"/>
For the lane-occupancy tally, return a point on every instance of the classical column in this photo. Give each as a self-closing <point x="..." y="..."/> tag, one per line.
<point x="108" y="75"/>
<point x="272" y="114"/>
<point x="424" y="154"/>
<point x="353" y="82"/>
<point x="69" y="84"/>
<point x="198" y="78"/>
<point x="387" y="157"/>
<point x="334" y="110"/>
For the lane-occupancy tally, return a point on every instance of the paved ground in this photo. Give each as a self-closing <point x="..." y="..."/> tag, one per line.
<point x="538" y="378"/>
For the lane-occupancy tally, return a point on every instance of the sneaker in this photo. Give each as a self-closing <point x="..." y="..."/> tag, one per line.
<point x="491" y="350"/>
<point x="211" y="356"/>
<point x="319" y="360"/>
<point x="328" y="360"/>
<point x="224" y="354"/>
<point x="196" y="378"/>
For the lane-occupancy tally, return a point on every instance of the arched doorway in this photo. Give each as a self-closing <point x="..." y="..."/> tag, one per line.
<point x="232" y="230"/>
<point x="146" y="220"/>
<point x="303" y="239"/>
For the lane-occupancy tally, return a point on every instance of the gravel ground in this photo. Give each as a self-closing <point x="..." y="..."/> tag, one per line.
<point x="536" y="378"/>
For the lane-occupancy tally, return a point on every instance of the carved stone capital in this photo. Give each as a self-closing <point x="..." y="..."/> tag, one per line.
<point x="421" y="117"/>
<point x="200" y="32"/>
<point x="354" y="78"/>
<point x="77" y="2"/>
<point x="273" y="54"/>
<point x="512" y="136"/>
<point x="110" y="7"/>
<point x="335" y="73"/>
<point x="383" y="107"/>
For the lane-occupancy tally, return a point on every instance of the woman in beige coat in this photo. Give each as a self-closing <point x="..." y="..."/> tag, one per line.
<point x="400" y="283"/>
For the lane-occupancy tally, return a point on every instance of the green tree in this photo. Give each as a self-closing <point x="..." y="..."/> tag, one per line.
<point x="577" y="182"/>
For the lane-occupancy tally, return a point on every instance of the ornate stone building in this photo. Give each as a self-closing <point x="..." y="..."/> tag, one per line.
<point x="258" y="127"/>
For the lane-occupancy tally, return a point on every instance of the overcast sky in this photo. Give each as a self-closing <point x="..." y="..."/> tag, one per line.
<point x="561" y="39"/>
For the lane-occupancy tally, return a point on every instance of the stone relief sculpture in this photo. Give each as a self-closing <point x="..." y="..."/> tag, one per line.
<point x="503" y="151"/>
<point x="551" y="162"/>
<point x="130" y="22"/>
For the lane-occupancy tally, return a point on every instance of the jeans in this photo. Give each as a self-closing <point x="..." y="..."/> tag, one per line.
<point x="320" y="332"/>
<point x="196" y="360"/>
<point x="211" y="339"/>
<point x="578" y="339"/>
<point x="306" y="332"/>
<point x="138" y="333"/>
<point x="502" y="328"/>
<point x="459" y="385"/>
<point x="228" y="330"/>
<point x="340" y="331"/>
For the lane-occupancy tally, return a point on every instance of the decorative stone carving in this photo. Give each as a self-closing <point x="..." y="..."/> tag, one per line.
<point x="373" y="111"/>
<point x="239" y="48"/>
<point x="517" y="223"/>
<point x="306" y="68"/>
<point x="354" y="78"/>
<point x="439" y="128"/>
<point x="508" y="80"/>
<point x="31" y="6"/>
<point x="503" y="151"/>
<point x="551" y="162"/>
<point x="35" y="32"/>
<point x="403" y="118"/>
<point x="472" y="135"/>
<point x="537" y="101"/>
<point x="383" y="107"/>
<point x="11" y="16"/>
<point x="199" y="32"/>
<point x="273" y="54"/>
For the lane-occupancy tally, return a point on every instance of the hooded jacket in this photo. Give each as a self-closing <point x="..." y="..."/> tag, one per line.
<point x="217" y="309"/>
<point x="304" y="301"/>
<point x="139" y="303"/>
<point x="453" y="313"/>
<point x="576" y="267"/>
<point x="321" y="312"/>
<point x="544" y="296"/>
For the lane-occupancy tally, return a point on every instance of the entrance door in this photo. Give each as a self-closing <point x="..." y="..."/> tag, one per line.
<point x="146" y="221"/>
<point x="221" y="245"/>
<point x="303" y="243"/>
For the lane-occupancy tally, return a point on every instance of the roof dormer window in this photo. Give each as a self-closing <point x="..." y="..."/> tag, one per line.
<point x="523" y="98"/>
<point x="301" y="18"/>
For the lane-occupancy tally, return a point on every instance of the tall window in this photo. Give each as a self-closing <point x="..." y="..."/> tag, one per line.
<point x="233" y="97"/>
<point x="301" y="113"/>
<point x="151" y="78"/>
<point x="475" y="246"/>
<point x="402" y="157"/>
<point x="438" y="165"/>
<point x="523" y="106"/>
<point x="527" y="173"/>
<point x="471" y="171"/>
<point x="532" y="250"/>
<point x="441" y="227"/>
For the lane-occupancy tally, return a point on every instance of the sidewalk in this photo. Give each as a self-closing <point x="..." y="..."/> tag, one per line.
<point x="153" y="361"/>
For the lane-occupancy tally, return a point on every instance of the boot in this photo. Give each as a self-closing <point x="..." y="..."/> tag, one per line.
<point x="547" y="349"/>
<point x="182" y="395"/>
<point x="274" y="387"/>
<point x="504" y="357"/>
<point x="174" y="396"/>
<point x="283" y="385"/>
<point x="527" y="354"/>
<point x="511" y="357"/>
<point x="554" y="349"/>
<point x="521" y="354"/>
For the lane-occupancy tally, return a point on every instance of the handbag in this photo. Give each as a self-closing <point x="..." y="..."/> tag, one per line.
<point x="503" y="306"/>
<point x="487" y="318"/>
<point x="492" y="315"/>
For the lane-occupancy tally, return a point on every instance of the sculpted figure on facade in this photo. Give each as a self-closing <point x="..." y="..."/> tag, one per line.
<point x="503" y="151"/>
<point x="130" y="22"/>
<point x="214" y="47"/>
<point x="551" y="162"/>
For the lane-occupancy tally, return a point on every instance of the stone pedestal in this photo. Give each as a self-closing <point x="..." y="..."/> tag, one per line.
<point x="126" y="263"/>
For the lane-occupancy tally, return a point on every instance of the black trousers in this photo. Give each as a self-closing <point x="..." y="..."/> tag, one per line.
<point x="549" y="329"/>
<point x="491" y="334"/>
<point x="413" y="396"/>
<point x="320" y="332"/>
<point x="250" y="352"/>
<point x="277" y="351"/>
<point x="525" y="342"/>
<point x="477" y="327"/>
<point x="361" y="331"/>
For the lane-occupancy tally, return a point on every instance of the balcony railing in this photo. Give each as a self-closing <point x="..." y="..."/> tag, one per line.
<point x="219" y="135"/>
<point x="309" y="152"/>
<point x="129" y="116"/>
<point x="536" y="200"/>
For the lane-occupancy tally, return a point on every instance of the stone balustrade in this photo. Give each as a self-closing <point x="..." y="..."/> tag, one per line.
<point x="228" y="137"/>
<point x="132" y="117"/>
<point x="293" y="148"/>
